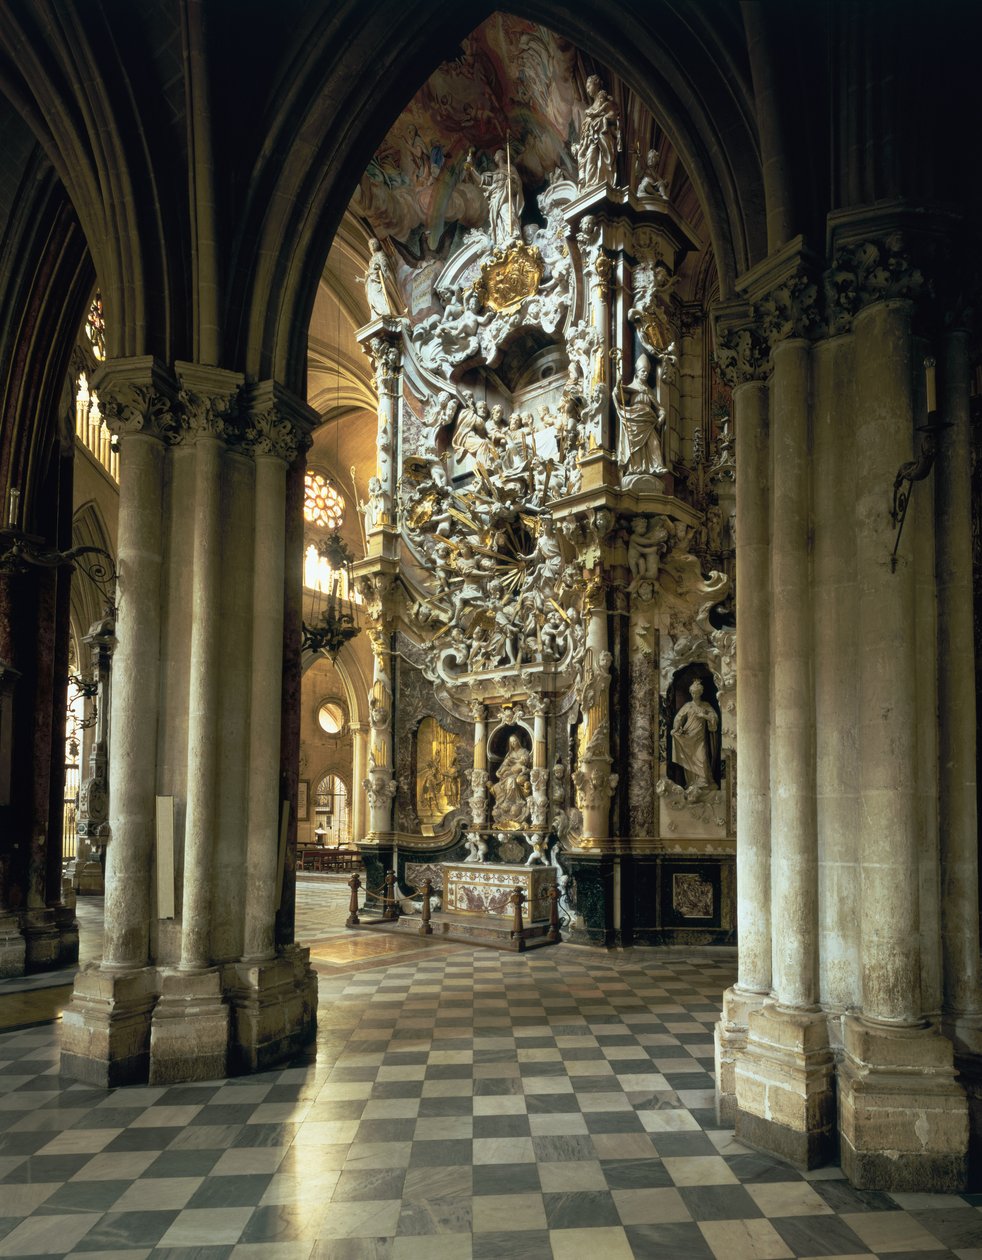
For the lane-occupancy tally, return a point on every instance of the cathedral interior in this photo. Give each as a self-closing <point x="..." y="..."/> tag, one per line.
<point x="490" y="570"/>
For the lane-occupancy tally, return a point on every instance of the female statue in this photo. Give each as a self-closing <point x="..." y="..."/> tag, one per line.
<point x="513" y="786"/>
<point x="693" y="739"/>
<point x="377" y="279"/>
<point x="600" y="138"/>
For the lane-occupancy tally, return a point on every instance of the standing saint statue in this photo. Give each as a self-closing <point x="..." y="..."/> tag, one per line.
<point x="513" y="786"/>
<point x="378" y="280"/>
<point x="503" y="191"/>
<point x="600" y="138"/>
<point x="694" y="737"/>
<point x="641" y="423"/>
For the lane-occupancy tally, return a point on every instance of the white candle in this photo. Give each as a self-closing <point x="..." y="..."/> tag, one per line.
<point x="932" y="395"/>
<point x="13" y="513"/>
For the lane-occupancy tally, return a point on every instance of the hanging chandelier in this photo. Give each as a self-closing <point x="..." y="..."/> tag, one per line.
<point x="335" y="624"/>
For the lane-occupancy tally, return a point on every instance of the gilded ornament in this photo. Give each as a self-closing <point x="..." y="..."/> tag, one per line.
<point x="510" y="276"/>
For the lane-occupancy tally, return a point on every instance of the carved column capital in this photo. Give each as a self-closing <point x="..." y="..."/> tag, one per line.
<point x="277" y="423"/>
<point x="864" y="272"/>
<point x="386" y="355"/>
<point x="138" y="396"/>
<point x="789" y="309"/>
<point x="209" y="400"/>
<point x="742" y="355"/>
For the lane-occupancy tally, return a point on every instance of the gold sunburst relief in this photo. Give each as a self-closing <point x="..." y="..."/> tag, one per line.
<point x="509" y="276"/>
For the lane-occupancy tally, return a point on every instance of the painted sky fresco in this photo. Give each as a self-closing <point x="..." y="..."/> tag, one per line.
<point x="510" y="76"/>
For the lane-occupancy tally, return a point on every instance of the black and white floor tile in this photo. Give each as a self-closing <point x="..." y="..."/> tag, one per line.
<point x="463" y="1105"/>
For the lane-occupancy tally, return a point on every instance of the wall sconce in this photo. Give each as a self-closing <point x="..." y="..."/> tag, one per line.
<point x="19" y="553"/>
<point x="917" y="469"/>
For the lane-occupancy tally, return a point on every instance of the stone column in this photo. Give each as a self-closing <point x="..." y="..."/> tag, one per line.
<point x="903" y="1118"/>
<point x="380" y="785"/>
<point x="12" y="947"/>
<point x="359" y="763"/>
<point x="744" y="359"/>
<point x="478" y="799"/>
<point x="273" y="1001"/>
<point x="593" y="779"/>
<point x="382" y="341"/>
<point x="785" y="1099"/>
<point x="93" y="800"/>
<point x="190" y="1030"/>
<point x="957" y="805"/>
<point x="540" y="773"/>
<point x="262" y="842"/>
<point x="834" y="480"/>
<point x="105" y="1036"/>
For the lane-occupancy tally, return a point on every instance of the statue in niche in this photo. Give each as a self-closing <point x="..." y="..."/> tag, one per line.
<point x="695" y="739"/>
<point x="651" y="184"/>
<point x="503" y="192"/>
<point x="512" y="787"/>
<point x="600" y="138"/>
<point x="642" y="421"/>
<point x="378" y="281"/>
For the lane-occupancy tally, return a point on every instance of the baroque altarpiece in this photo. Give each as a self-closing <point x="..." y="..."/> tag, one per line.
<point x="550" y="541"/>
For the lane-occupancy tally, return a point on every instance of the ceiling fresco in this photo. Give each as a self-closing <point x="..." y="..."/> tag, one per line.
<point x="511" y="80"/>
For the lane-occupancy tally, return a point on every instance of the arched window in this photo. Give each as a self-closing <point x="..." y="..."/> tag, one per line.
<point x="331" y="821"/>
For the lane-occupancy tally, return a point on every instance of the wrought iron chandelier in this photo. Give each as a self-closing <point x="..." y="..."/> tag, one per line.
<point x="336" y="625"/>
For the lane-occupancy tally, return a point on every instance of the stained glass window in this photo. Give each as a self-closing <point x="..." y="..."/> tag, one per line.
<point x="322" y="504"/>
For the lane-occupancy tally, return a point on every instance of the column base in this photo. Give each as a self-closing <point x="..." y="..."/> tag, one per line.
<point x="903" y="1117"/>
<point x="89" y="879"/>
<point x="13" y="947"/>
<point x="105" y="1029"/>
<point x="67" y="926"/>
<point x="273" y="1009"/>
<point x="730" y="1038"/>
<point x="189" y="1033"/>
<point x="785" y="1086"/>
<point x="42" y="940"/>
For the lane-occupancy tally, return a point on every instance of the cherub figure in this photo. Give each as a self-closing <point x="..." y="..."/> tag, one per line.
<point x="651" y="184"/>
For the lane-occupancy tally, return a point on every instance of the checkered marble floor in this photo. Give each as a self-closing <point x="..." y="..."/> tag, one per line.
<point x="465" y="1104"/>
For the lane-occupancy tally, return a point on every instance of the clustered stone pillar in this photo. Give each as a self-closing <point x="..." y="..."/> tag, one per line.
<point x="784" y="1087"/>
<point x="861" y="622"/>
<point x="903" y="1118"/>
<point x="191" y="984"/>
<point x="106" y="1027"/>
